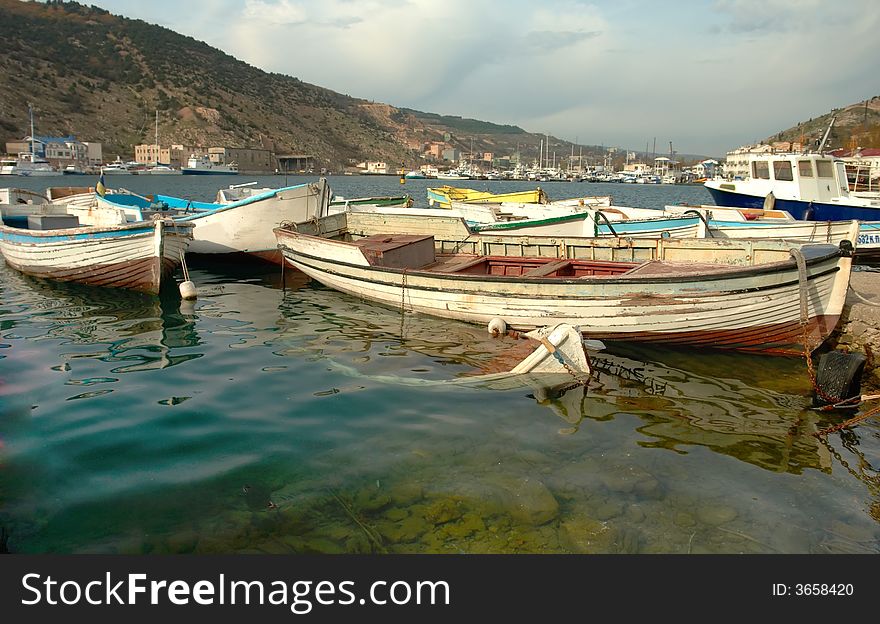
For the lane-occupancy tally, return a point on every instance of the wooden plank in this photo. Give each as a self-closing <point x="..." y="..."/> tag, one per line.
<point x="458" y="264"/>
<point x="547" y="269"/>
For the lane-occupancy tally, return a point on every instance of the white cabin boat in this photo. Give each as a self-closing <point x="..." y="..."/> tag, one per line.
<point x="202" y="165"/>
<point x="809" y="186"/>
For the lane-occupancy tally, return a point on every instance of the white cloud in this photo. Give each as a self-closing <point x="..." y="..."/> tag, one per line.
<point x="279" y="12"/>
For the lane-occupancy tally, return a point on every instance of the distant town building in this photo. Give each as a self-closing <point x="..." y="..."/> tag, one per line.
<point x="738" y="162"/>
<point x="379" y="168"/>
<point x="94" y="153"/>
<point x="295" y="163"/>
<point x="435" y="149"/>
<point x="451" y="154"/>
<point x="151" y="154"/>
<point x="59" y="151"/>
<point x="249" y="160"/>
<point x="703" y="169"/>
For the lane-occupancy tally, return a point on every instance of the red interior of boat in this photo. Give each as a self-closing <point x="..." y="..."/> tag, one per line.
<point x="528" y="267"/>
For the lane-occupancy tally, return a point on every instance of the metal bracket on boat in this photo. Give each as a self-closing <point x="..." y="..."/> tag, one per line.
<point x="605" y="218"/>
<point x="703" y="219"/>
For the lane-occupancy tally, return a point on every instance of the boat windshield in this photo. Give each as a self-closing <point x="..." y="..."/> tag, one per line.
<point x="761" y="170"/>
<point x="782" y="171"/>
<point x="824" y="169"/>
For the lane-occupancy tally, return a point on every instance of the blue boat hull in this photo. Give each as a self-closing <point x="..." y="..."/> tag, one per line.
<point x="805" y="211"/>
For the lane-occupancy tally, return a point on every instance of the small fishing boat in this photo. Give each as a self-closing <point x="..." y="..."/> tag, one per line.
<point x="239" y="192"/>
<point x="243" y="226"/>
<point x="442" y="196"/>
<point x="559" y="355"/>
<point x="138" y="256"/>
<point x="755" y="295"/>
<point x="389" y="201"/>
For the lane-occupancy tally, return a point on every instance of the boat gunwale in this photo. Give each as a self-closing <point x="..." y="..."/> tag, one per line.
<point x="726" y="272"/>
<point x="125" y="229"/>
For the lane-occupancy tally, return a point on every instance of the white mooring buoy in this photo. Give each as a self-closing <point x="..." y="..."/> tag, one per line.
<point x="187" y="287"/>
<point x="188" y="290"/>
<point x="497" y="327"/>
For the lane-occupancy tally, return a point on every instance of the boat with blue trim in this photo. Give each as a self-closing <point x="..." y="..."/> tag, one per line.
<point x="811" y="187"/>
<point x="239" y="227"/>
<point x="54" y="245"/>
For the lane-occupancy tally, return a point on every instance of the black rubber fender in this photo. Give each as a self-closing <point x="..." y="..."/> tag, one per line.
<point x="839" y="376"/>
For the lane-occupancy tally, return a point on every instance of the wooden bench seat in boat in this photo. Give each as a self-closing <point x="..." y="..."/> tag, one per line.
<point x="456" y="264"/>
<point x="527" y="266"/>
<point x="554" y="266"/>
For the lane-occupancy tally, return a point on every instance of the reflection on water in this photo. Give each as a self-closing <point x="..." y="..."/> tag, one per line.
<point x="261" y="418"/>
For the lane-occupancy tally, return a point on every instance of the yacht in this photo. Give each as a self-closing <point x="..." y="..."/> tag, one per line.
<point x="202" y="165"/>
<point x="7" y="166"/>
<point x="116" y="167"/>
<point x="160" y="170"/>
<point x="29" y="164"/>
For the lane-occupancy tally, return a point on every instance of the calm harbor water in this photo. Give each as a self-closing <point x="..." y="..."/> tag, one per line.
<point x="270" y="417"/>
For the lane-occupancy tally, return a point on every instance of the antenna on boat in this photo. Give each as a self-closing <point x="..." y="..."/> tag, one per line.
<point x="827" y="132"/>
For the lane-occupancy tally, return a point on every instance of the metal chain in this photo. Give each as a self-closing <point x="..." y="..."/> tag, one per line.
<point x="580" y="378"/>
<point x="403" y="286"/>
<point x="848" y="423"/>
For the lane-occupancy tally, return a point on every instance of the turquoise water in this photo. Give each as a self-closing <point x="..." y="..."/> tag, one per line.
<point x="267" y="419"/>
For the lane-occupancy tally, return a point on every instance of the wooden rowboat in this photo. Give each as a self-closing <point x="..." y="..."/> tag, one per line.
<point x="754" y="295"/>
<point x="442" y="196"/>
<point x="139" y="256"/>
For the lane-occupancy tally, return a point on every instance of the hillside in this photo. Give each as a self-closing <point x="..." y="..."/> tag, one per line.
<point x="101" y="77"/>
<point x="856" y="125"/>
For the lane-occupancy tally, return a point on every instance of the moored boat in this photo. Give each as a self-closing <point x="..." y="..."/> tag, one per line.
<point x="811" y="187"/>
<point x="443" y="196"/>
<point x="137" y="256"/>
<point x="240" y="227"/>
<point x="202" y="165"/>
<point x="160" y="170"/>
<point x="733" y="294"/>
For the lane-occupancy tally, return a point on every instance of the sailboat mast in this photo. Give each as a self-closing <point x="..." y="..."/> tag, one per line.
<point x="31" y="113"/>
<point x="157" y="136"/>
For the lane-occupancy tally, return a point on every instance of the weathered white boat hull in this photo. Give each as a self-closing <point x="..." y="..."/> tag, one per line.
<point x="747" y="308"/>
<point x="136" y="256"/>
<point x="246" y="226"/>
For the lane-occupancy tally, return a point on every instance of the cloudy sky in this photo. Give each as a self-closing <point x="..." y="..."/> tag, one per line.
<point x="708" y="75"/>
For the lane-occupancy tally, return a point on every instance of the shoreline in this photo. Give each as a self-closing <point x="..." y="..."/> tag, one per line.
<point x="859" y="326"/>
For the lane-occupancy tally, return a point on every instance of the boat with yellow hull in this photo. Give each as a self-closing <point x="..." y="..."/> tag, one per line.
<point x="443" y="196"/>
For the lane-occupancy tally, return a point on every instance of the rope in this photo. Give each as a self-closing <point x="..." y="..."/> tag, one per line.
<point x="403" y="302"/>
<point x="802" y="283"/>
<point x="862" y="299"/>
<point x="184" y="267"/>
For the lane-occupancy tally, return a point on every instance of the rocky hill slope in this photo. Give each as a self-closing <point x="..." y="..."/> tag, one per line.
<point x="102" y="77"/>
